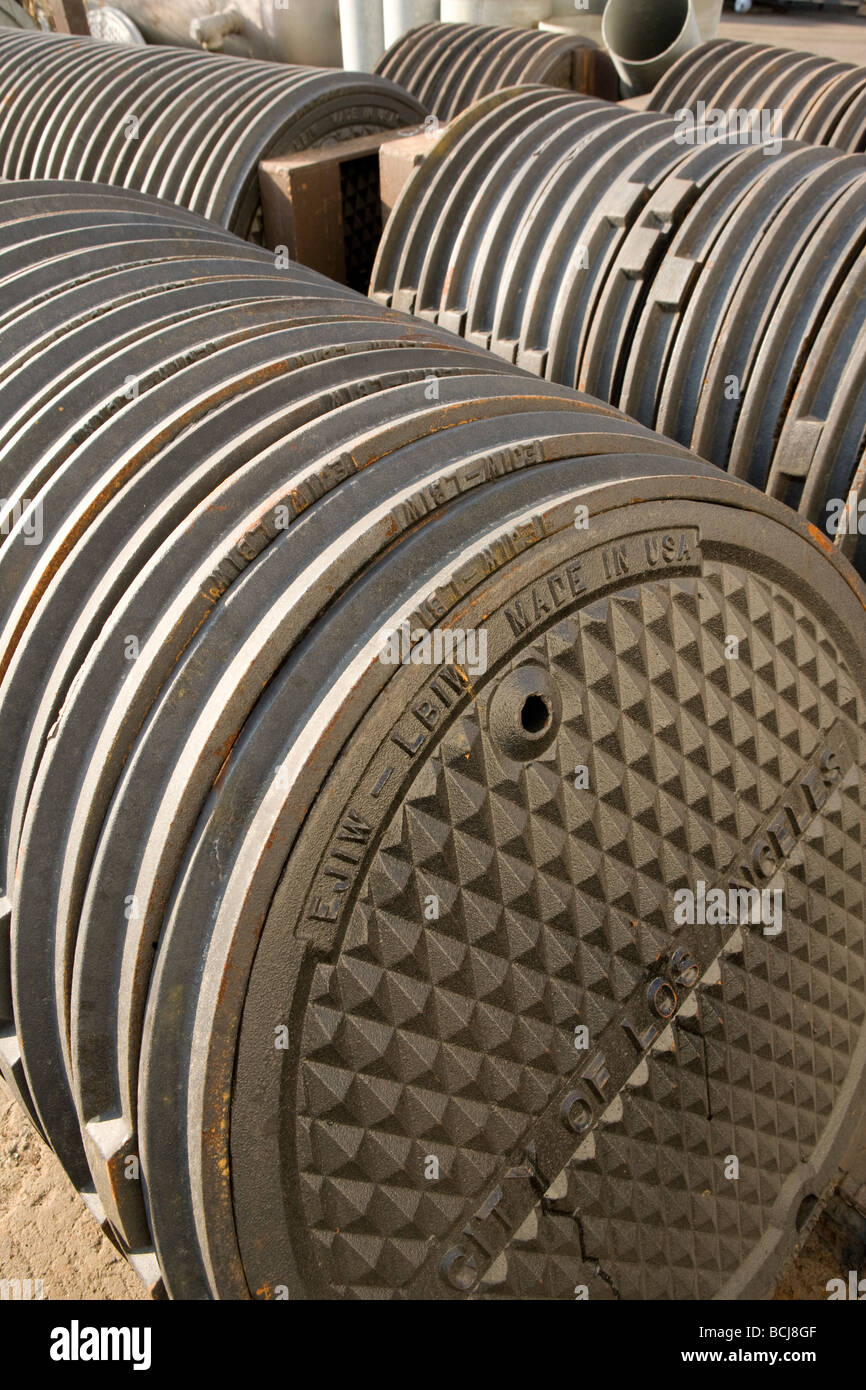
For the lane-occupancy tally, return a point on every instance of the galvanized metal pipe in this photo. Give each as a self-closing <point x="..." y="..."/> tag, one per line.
<point x="399" y="16"/>
<point x="362" y="34"/>
<point x="709" y="16"/>
<point x="504" y="12"/>
<point x="646" y="37"/>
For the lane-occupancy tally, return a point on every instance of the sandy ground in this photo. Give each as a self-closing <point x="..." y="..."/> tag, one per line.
<point x="45" y="1230"/>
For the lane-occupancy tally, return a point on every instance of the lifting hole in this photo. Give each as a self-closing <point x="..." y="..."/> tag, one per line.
<point x="535" y="715"/>
<point x="804" y="1211"/>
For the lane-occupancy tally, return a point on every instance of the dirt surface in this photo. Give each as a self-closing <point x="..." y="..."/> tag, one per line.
<point x="807" y="1276"/>
<point x="46" y="1231"/>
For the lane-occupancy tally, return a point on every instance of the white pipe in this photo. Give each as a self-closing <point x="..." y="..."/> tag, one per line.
<point x="644" y="37"/>
<point x="402" y="15"/>
<point x="709" y="17"/>
<point x="519" y="13"/>
<point x="212" y="30"/>
<point x="363" y="31"/>
<point x="572" y="7"/>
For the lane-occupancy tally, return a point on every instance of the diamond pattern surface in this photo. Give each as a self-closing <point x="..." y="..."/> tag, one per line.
<point x="446" y="1038"/>
<point x="362" y="218"/>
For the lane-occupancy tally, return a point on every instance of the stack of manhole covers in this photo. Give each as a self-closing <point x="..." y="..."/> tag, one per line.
<point x="369" y="705"/>
<point x="187" y="126"/>
<point x="447" y="67"/>
<point x="817" y="99"/>
<point x="715" y="293"/>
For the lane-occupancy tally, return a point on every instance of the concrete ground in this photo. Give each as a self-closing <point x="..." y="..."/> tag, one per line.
<point x="842" y="37"/>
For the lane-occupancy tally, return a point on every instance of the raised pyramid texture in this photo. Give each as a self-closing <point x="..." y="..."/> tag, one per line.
<point x="448" y="1037"/>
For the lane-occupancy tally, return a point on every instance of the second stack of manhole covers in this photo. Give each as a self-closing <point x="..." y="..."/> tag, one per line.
<point x="811" y="98"/>
<point x="447" y="67"/>
<point x="377" y="705"/>
<point x="690" y="284"/>
<point x="186" y="126"/>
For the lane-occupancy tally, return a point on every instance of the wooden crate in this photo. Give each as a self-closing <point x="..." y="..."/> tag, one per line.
<point x="325" y="206"/>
